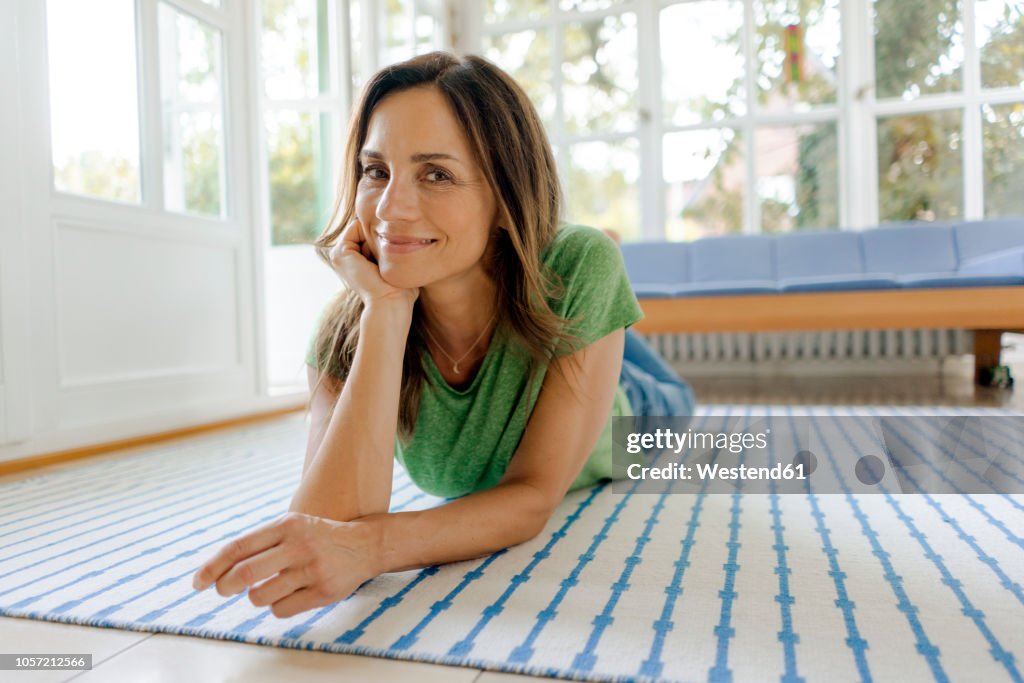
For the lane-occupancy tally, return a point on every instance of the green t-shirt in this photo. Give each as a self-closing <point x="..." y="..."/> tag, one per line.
<point x="464" y="439"/>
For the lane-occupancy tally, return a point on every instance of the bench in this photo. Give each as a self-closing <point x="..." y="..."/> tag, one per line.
<point x="924" y="275"/>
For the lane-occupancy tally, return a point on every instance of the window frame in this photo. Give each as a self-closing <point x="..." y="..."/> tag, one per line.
<point x="855" y="112"/>
<point x="226" y="19"/>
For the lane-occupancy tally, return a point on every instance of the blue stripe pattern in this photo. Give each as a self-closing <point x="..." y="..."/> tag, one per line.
<point x="620" y="586"/>
<point x="923" y="644"/>
<point x="999" y="652"/>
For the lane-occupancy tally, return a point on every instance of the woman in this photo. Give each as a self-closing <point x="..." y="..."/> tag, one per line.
<point x="511" y="331"/>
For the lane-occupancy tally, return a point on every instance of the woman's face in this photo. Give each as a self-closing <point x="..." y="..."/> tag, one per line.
<point x="425" y="207"/>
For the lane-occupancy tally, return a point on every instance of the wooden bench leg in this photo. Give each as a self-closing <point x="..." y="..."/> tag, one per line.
<point x="987" y="346"/>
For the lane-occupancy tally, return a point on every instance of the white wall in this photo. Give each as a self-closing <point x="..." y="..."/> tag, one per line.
<point x="116" y="321"/>
<point x="14" y="382"/>
<point x="299" y="285"/>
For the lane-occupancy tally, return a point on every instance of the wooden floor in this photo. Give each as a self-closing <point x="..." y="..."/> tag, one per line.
<point x="953" y="387"/>
<point x="130" y="656"/>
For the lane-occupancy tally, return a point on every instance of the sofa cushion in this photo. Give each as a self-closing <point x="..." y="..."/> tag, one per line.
<point x="837" y="283"/>
<point x="656" y="263"/>
<point x="732" y="258"/>
<point x="1009" y="262"/>
<point x="950" y="279"/>
<point x="645" y="290"/>
<point x="726" y="287"/>
<point x="818" y="254"/>
<point x="979" y="238"/>
<point x="905" y="249"/>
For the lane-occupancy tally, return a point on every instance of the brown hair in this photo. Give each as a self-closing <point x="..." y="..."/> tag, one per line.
<point x="512" y="150"/>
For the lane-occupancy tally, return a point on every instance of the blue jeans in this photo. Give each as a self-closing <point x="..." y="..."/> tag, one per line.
<point x="652" y="386"/>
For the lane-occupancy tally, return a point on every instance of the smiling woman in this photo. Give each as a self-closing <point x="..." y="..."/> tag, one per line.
<point x="511" y="331"/>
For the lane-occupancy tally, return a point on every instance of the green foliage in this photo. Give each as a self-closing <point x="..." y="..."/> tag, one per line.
<point x="720" y="207"/>
<point x="1003" y="140"/>
<point x="201" y="162"/>
<point x="97" y="174"/>
<point x="919" y="157"/>
<point x="1002" y="58"/>
<point x="293" y="183"/>
<point x="604" y="197"/>
<point x="919" y="169"/>
<point x="914" y="40"/>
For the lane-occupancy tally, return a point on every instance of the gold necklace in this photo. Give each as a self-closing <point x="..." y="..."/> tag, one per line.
<point x="455" y="363"/>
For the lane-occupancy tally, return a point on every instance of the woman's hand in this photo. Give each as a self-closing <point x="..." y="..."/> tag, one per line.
<point x="303" y="562"/>
<point x="352" y="258"/>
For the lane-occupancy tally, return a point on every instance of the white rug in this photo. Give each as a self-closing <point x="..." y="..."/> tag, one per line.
<point x="715" y="587"/>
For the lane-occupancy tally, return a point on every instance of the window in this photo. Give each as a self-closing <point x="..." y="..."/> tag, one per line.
<point x="306" y="95"/>
<point x="949" y="129"/>
<point x="161" y="144"/>
<point x="191" y="74"/>
<point x="301" y="109"/>
<point x="688" y="118"/>
<point x="94" y="107"/>
<point x="579" y="64"/>
<point x="314" y="56"/>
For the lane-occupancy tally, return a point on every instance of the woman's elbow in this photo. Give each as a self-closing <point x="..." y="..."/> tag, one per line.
<point x="536" y="511"/>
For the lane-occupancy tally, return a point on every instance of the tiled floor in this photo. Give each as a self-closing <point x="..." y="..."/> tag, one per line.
<point x="129" y="656"/>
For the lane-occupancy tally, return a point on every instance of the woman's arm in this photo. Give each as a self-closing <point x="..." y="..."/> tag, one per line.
<point x="348" y="474"/>
<point x="569" y="416"/>
<point x="302" y="562"/>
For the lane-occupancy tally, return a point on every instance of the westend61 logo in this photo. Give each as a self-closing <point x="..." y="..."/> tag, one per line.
<point x="865" y="452"/>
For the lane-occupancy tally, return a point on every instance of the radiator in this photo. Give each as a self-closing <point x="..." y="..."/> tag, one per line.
<point x="802" y="346"/>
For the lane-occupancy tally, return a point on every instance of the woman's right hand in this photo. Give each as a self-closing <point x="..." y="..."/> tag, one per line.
<point x="353" y="261"/>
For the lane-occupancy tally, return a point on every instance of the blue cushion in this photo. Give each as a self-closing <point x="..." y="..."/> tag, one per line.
<point x="909" y="248"/>
<point x="646" y="290"/>
<point x="837" y="283"/>
<point x="727" y="287"/>
<point x="733" y="257"/>
<point x="1009" y="262"/>
<point x="923" y="280"/>
<point x="656" y="262"/>
<point x="979" y="238"/>
<point x="818" y="254"/>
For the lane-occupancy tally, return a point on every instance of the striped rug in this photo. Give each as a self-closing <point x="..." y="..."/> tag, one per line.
<point x="619" y="586"/>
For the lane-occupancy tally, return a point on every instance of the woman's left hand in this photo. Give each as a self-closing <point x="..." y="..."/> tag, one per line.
<point x="303" y="562"/>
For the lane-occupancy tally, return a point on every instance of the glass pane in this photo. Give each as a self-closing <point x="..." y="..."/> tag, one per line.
<point x="798" y="51"/>
<point x="397" y="45"/>
<point x="707" y="33"/>
<point x="193" y="180"/>
<point x="798" y="177"/>
<point x="299" y="166"/>
<point x="355" y="18"/>
<point x="599" y="74"/>
<point x="294" y="48"/>
<point x="587" y="5"/>
<point x="213" y="3"/>
<point x="1003" y="136"/>
<point x="1000" y="37"/>
<point x="504" y="10"/>
<point x="191" y="81"/>
<point x="429" y="30"/>
<point x="920" y="170"/>
<point x="526" y="56"/>
<point x="919" y="47"/>
<point x="94" y="107"/>
<point x="602" y="189"/>
<point x="705" y="174"/>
